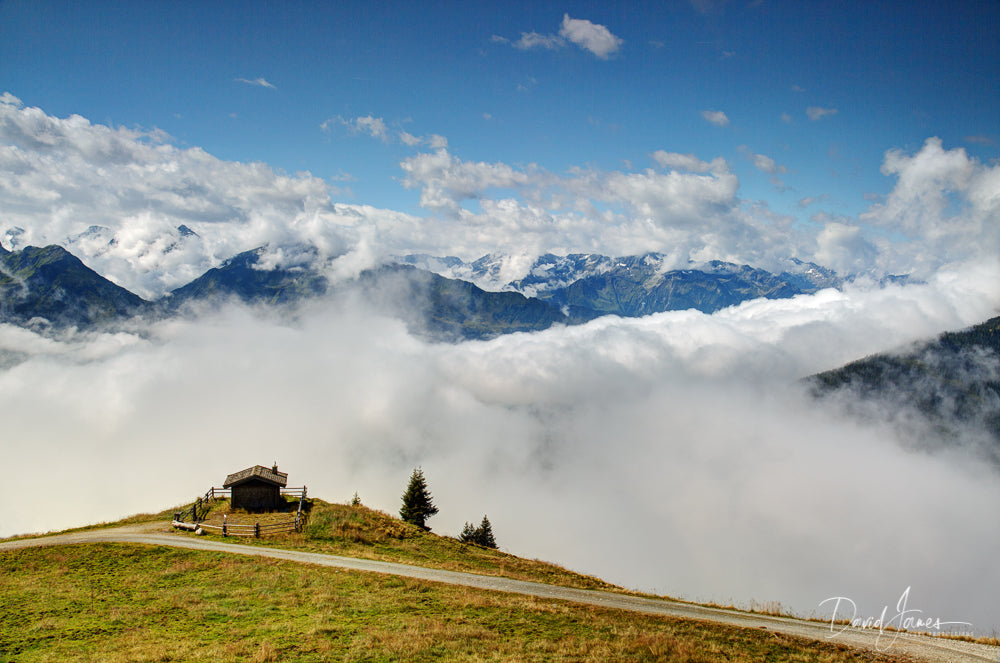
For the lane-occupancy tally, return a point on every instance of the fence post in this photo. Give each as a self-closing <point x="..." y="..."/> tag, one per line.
<point x="256" y="529"/>
<point x="224" y="532"/>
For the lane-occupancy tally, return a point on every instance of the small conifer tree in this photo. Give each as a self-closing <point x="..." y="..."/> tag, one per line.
<point x="481" y="536"/>
<point x="484" y="534"/>
<point x="355" y="501"/>
<point x="468" y="534"/>
<point x="418" y="505"/>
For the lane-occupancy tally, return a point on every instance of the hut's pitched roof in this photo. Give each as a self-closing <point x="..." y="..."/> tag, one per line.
<point x="259" y="472"/>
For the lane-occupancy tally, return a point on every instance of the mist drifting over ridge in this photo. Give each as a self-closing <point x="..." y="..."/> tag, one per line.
<point x="673" y="452"/>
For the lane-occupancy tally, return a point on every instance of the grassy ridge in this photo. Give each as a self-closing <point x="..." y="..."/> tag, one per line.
<point x="118" y="602"/>
<point x="357" y="531"/>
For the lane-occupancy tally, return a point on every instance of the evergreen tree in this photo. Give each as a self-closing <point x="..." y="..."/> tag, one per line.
<point x="468" y="534"/>
<point x="484" y="534"/>
<point x="481" y="536"/>
<point x="418" y="505"/>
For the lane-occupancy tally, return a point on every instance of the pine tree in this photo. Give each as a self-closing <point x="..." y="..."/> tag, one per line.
<point x="481" y="536"/>
<point x="484" y="534"/>
<point x="468" y="534"/>
<point x="418" y="505"/>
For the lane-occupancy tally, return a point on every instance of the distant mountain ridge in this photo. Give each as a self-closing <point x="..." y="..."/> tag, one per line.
<point x="590" y="285"/>
<point x="51" y="283"/>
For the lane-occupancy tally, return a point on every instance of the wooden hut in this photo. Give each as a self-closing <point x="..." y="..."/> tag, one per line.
<point x="256" y="488"/>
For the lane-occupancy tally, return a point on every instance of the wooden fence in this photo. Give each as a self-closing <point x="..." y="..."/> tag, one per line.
<point x="193" y="516"/>
<point x="257" y="530"/>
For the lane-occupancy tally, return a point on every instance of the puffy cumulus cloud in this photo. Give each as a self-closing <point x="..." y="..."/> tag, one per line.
<point x="669" y="199"/>
<point x="681" y="436"/>
<point x="446" y="181"/>
<point x="590" y="36"/>
<point x="118" y="198"/>
<point x="716" y="117"/>
<point x="945" y="203"/>
<point x="690" y="213"/>
<point x="843" y="248"/>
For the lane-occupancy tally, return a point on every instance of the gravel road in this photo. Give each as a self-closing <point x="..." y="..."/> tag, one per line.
<point x="916" y="646"/>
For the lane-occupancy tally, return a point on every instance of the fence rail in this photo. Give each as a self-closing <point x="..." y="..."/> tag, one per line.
<point x="257" y="529"/>
<point x="193" y="516"/>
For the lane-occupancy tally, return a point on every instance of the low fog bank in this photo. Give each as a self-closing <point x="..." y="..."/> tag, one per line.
<point x="674" y="453"/>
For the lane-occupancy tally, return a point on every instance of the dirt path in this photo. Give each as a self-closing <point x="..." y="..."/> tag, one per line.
<point x="916" y="646"/>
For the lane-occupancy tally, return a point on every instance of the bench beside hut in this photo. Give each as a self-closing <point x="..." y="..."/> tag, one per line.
<point x="256" y="488"/>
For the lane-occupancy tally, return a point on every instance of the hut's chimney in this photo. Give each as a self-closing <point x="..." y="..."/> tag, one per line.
<point x="275" y="467"/>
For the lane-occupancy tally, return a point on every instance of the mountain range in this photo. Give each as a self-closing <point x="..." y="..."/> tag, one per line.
<point x="51" y="284"/>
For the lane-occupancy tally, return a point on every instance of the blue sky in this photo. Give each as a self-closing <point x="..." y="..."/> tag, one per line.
<point x="807" y="97"/>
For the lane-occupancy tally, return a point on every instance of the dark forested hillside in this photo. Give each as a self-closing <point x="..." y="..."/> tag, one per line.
<point x="952" y="383"/>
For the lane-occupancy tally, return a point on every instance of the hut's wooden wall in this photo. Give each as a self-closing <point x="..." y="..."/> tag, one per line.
<point x="256" y="496"/>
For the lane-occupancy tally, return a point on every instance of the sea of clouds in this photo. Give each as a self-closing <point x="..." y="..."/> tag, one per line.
<point x="676" y="453"/>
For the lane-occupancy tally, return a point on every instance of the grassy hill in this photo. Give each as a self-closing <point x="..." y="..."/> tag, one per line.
<point x="125" y="602"/>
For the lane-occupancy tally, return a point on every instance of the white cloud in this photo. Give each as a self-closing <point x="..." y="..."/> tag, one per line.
<point x="259" y="82"/>
<point x="766" y="164"/>
<point x="530" y="40"/>
<point x="980" y="139"/>
<point x="812" y="200"/>
<point x="590" y="36"/>
<point x="944" y="202"/>
<point x="716" y="117"/>
<point x="410" y="139"/>
<point x="817" y="113"/>
<point x="689" y="162"/>
<point x="10" y="100"/>
<point x="367" y="124"/>
<point x="842" y="247"/>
